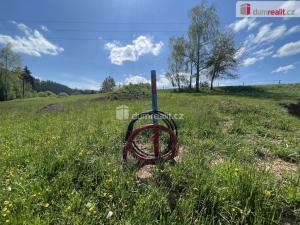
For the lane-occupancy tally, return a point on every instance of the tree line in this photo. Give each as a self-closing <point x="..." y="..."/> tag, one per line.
<point x="18" y="82"/>
<point x="204" y="51"/>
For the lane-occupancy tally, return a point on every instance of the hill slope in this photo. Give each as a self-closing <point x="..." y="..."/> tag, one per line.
<point x="241" y="161"/>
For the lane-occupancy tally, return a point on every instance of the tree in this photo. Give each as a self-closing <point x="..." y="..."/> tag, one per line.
<point x="176" y="71"/>
<point x="26" y="78"/>
<point x="9" y="61"/>
<point x="222" y="60"/>
<point x="189" y="53"/>
<point x="108" y="84"/>
<point x="203" y="28"/>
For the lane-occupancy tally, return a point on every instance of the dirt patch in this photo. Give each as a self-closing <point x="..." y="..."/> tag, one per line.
<point x="293" y="109"/>
<point x="123" y="96"/>
<point x="182" y="152"/>
<point x="146" y="172"/>
<point x="217" y="160"/>
<point x="52" y="107"/>
<point x="227" y="124"/>
<point x="277" y="166"/>
<point x="229" y="104"/>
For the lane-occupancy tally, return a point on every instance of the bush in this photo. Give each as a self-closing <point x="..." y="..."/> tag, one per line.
<point x="136" y="89"/>
<point x="46" y="94"/>
<point x="63" y="94"/>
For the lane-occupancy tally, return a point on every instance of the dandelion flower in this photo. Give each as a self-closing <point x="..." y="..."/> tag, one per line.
<point x="4" y="209"/>
<point x="92" y="209"/>
<point x="46" y="205"/>
<point x="6" y="202"/>
<point x="109" y="215"/>
<point x="268" y="194"/>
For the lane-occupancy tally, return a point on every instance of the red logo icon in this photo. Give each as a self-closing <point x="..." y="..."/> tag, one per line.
<point x="245" y="9"/>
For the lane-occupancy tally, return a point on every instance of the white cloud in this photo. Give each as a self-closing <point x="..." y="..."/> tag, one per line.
<point x="258" y="56"/>
<point x="293" y="29"/>
<point x="244" y="23"/>
<point x="131" y="52"/>
<point x="266" y="34"/>
<point x="262" y="53"/>
<point x="291" y="48"/>
<point x="249" y="61"/>
<point x="136" y="79"/>
<point x="44" y="28"/>
<point x="240" y="52"/>
<point x="33" y="43"/>
<point x="284" y="69"/>
<point x="162" y="82"/>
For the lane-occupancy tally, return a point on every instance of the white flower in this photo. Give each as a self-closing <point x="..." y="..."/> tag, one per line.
<point x="109" y="215"/>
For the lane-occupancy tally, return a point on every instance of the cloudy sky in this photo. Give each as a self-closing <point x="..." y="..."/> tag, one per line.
<point x="79" y="43"/>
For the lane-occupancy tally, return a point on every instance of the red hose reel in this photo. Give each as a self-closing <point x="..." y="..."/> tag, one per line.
<point x="163" y="137"/>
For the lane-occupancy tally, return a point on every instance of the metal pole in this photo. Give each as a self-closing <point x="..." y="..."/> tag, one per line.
<point x="155" y="135"/>
<point x="154" y="94"/>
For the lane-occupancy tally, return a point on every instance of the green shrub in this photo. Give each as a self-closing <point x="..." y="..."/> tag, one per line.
<point x="63" y="94"/>
<point x="46" y="94"/>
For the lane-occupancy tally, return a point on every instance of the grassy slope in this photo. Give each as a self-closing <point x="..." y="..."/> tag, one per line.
<point x="64" y="167"/>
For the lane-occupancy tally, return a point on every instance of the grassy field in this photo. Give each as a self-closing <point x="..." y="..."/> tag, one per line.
<point x="240" y="163"/>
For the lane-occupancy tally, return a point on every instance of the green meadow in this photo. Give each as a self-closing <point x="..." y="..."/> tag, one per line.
<point x="239" y="149"/>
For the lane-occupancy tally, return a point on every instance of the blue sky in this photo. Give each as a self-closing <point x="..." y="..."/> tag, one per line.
<point x="79" y="43"/>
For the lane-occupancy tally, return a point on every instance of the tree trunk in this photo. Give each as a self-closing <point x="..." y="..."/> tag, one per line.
<point x="191" y="76"/>
<point x="197" y="73"/>
<point x="212" y="80"/>
<point x="198" y="65"/>
<point x="5" y="87"/>
<point x="23" y="87"/>
<point x="5" y="80"/>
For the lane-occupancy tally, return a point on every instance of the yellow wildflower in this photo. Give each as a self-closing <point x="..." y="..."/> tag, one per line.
<point x="92" y="209"/>
<point x="268" y="194"/>
<point x="7" y="221"/>
<point x="81" y="152"/>
<point x="46" y="205"/>
<point x="5" y="209"/>
<point x="6" y="202"/>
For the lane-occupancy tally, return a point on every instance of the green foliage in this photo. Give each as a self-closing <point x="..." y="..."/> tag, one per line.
<point x="64" y="167"/>
<point x="108" y="84"/>
<point x="222" y="60"/>
<point x="46" y="94"/>
<point x="41" y="86"/>
<point x="10" y="85"/>
<point x="63" y="94"/>
<point x="136" y="89"/>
